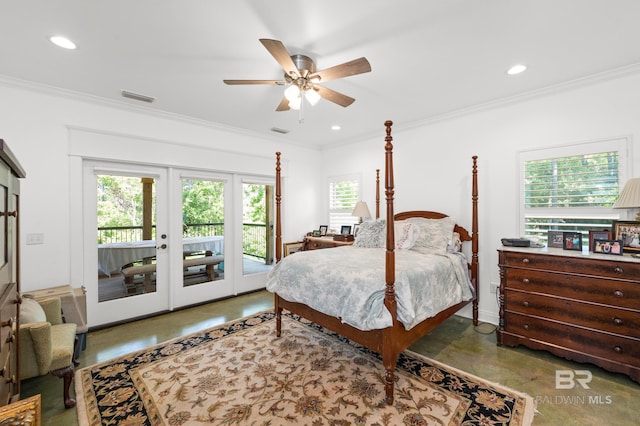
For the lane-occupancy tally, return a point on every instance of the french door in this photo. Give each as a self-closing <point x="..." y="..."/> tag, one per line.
<point x="162" y="240"/>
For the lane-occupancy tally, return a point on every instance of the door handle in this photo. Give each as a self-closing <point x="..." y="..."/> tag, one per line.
<point x="163" y="246"/>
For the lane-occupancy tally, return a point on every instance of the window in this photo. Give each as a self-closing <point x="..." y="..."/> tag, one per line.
<point x="344" y="193"/>
<point x="571" y="188"/>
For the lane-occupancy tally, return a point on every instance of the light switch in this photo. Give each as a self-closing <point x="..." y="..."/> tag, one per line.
<point x="35" y="239"/>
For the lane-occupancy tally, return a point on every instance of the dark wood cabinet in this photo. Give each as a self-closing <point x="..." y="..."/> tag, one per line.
<point x="315" y="243"/>
<point x="10" y="173"/>
<point x="581" y="307"/>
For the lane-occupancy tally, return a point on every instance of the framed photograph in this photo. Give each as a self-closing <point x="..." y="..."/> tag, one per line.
<point x="345" y="230"/>
<point x="572" y="241"/>
<point x="608" y="246"/>
<point x="629" y="233"/>
<point x="323" y="230"/>
<point x="315" y="233"/>
<point x="290" y="248"/>
<point x="356" y="228"/>
<point x="554" y="239"/>
<point x="598" y="235"/>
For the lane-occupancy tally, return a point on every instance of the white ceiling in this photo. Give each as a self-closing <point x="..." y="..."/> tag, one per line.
<point x="429" y="58"/>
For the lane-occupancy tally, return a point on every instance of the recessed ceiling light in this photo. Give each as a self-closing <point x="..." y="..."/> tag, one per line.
<point x="516" y="69"/>
<point x="335" y="127"/>
<point x="62" y="42"/>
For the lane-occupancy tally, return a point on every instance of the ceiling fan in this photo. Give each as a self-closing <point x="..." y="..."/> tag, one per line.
<point x="303" y="79"/>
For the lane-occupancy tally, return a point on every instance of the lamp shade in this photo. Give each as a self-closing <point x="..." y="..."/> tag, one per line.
<point x="361" y="210"/>
<point x="629" y="197"/>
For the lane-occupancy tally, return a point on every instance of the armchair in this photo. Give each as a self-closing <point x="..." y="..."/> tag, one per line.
<point x="47" y="344"/>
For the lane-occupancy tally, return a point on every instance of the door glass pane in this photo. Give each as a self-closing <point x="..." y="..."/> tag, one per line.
<point x="126" y="236"/>
<point x="202" y="231"/>
<point x="257" y="228"/>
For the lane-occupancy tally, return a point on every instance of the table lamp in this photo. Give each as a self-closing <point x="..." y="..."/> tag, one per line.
<point x="361" y="210"/>
<point x="629" y="197"/>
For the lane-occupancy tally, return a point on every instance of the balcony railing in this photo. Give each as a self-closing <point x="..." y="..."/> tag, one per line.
<point x="254" y="235"/>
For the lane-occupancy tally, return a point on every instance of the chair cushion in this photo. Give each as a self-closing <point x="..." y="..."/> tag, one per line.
<point x="31" y="311"/>
<point x="63" y="337"/>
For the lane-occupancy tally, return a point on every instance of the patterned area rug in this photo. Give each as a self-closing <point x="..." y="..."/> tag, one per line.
<point x="241" y="374"/>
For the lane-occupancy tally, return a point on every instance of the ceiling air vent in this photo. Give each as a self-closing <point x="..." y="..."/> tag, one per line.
<point x="137" y="96"/>
<point x="278" y="130"/>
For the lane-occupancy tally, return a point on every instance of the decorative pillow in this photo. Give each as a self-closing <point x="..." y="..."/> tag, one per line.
<point x="455" y="244"/>
<point x="406" y="234"/>
<point x="31" y="311"/>
<point x="371" y="234"/>
<point x="435" y="234"/>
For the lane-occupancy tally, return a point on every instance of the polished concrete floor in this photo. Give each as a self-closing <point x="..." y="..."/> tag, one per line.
<point x="612" y="399"/>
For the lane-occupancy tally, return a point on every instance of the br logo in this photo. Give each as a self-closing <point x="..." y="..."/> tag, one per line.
<point x="566" y="379"/>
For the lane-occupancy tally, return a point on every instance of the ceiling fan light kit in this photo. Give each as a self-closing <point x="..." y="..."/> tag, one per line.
<point x="303" y="80"/>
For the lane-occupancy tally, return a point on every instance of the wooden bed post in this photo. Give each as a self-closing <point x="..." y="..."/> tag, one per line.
<point x="474" y="237"/>
<point x="277" y="308"/>
<point x="377" y="193"/>
<point x="389" y="355"/>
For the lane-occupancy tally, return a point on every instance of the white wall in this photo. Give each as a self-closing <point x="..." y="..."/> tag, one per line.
<point x="36" y="124"/>
<point x="433" y="162"/>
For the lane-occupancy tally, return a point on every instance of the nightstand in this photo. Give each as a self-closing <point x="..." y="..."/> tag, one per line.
<point x="316" y="243"/>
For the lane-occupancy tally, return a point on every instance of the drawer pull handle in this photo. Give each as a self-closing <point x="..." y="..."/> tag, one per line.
<point x="525" y="280"/>
<point x="617" y="321"/>
<point x="525" y="260"/>
<point x="525" y="304"/>
<point x="618" y="293"/>
<point x="618" y="270"/>
<point x="8" y="323"/>
<point x="526" y="326"/>
<point x="618" y="349"/>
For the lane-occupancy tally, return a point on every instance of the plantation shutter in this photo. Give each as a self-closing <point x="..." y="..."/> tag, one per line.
<point x="571" y="192"/>
<point x="344" y="193"/>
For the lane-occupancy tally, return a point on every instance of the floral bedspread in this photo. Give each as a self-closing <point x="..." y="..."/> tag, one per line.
<point x="349" y="283"/>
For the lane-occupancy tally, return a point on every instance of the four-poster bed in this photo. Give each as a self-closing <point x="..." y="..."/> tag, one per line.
<point x="400" y="315"/>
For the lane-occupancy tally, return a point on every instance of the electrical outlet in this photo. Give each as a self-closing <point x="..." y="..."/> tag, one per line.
<point x="494" y="287"/>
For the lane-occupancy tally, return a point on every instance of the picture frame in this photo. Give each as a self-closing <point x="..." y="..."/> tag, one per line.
<point x="315" y="233"/>
<point x="323" y="230"/>
<point x="598" y="235"/>
<point x="572" y="241"/>
<point x="356" y="229"/>
<point x="629" y="233"/>
<point x="345" y="230"/>
<point x="24" y="411"/>
<point x="554" y="239"/>
<point x="608" y="246"/>
<point x="293" y="247"/>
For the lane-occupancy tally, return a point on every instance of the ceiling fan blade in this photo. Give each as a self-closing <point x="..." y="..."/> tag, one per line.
<point x="279" y="52"/>
<point x="333" y="96"/>
<point x="276" y="82"/>
<point x="357" y="66"/>
<point x="284" y="105"/>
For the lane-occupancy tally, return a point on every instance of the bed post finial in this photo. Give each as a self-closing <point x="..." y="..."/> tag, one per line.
<point x="278" y="212"/>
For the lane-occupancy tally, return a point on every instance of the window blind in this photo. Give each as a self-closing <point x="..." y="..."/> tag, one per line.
<point x="344" y="193"/>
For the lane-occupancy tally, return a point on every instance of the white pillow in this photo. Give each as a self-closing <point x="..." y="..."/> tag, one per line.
<point x="31" y="311"/>
<point x="455" y="244"/>
<point x="371" y="234"/>
<point x="435" y="234"/>
<point x="406" y="234"/>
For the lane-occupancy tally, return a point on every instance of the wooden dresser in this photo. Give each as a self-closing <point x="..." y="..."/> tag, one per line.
<point x="584" y="308"/>
<point x="10" y="172"/>
<point x="315" y="243"/>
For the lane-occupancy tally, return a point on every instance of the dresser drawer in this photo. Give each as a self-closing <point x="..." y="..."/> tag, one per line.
<point x="596" y="344"/>
<point x="611" y="292"/>
<point x="574" y="264"/>
<point x="598" y="317"/>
